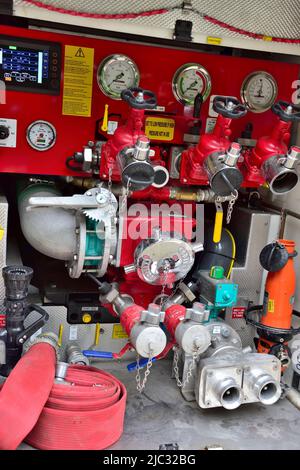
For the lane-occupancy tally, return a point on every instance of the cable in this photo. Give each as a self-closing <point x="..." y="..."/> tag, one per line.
<point x="120" y="16"/>
<point x="117" y="16"/>
<point x="233" y="253"/>
<point x="244" y="32"/>
<point x="71" y="167"/>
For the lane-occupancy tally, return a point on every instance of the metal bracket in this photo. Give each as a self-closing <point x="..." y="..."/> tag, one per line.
<point x="183" y="30"/>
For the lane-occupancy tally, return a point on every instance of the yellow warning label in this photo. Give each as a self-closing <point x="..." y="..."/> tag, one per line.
<point x="2" y="232"/>
<point x="271" y="305"/>
<point x="213" y="41"/>
<point x="78" y="81"/>
<point x="158" y="128"/>
<point x="118" y="332"/>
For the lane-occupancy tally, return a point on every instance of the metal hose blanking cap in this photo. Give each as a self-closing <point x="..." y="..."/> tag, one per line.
<point x="16" y="280"/>
<point x="267" y="389"/>
<point x="148" y="339"/>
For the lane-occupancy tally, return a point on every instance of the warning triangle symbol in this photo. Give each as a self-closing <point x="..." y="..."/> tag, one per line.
<point x="79" y="53"/>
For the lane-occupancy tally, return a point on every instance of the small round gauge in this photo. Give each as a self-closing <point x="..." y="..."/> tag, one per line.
<point x="41" y="135"/>
<point x="188" y="81"/>
<point x="259" y="91"/>
<point x="116" y="73"/>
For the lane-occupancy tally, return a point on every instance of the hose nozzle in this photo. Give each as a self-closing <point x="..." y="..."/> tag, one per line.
<point x="17" y="280"/>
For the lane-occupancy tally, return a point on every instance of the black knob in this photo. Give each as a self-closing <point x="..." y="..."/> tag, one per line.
<point x="4" y="132"/>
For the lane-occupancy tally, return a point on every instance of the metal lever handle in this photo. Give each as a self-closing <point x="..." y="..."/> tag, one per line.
<point x="25" y="334"/>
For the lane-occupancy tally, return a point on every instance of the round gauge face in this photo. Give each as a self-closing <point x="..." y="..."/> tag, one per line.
<point x="188" y="81"/>
<point x="259" y="91"/>
<point x="41" y="135"/>
<point x="116" y="73"/>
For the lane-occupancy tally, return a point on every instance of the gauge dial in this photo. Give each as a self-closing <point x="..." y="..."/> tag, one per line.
<point x="188" y="81"/>
<point x="116" y="73"/>
<point x="41" y="135"/>
<point x="259" y="91"/>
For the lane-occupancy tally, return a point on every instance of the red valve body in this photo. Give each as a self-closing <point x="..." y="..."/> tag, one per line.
<point x="192" y="160"/>
<point x="124" y="136"/>
<point x="266" y="147"/>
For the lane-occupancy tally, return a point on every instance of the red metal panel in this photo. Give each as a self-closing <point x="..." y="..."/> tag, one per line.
<point x="157" y="66"/>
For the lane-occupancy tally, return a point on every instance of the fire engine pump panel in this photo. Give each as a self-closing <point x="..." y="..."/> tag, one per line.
<point x="137" y="236"/>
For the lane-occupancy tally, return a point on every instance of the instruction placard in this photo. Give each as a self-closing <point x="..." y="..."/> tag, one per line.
<point x="78" y="81"/>
<point x="158" y="128"/>
<point x="118" y="332"/>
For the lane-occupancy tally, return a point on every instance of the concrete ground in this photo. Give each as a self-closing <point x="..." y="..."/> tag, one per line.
<point x="161" y="416"/>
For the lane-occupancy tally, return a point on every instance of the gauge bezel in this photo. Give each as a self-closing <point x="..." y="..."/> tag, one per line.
<point x="106" y="62"/>
<point x="245" y="97"/>
<point x="47" y="123"/>
<point x="184" y="68"/>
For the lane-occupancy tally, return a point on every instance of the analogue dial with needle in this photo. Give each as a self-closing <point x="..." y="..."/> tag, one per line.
<point x="259" y="91"/>
<point x="190" y="80"/>
<point x="116" y="73"/>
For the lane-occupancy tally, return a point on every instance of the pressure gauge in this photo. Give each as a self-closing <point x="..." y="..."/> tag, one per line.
<point x="116" y="73"/>
<point x="188" y="81"/>
<point x="259" y="91"/>
<point x="41" y="135"/>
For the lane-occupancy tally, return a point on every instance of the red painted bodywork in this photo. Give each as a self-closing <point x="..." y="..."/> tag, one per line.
<point x="157" y="66"/>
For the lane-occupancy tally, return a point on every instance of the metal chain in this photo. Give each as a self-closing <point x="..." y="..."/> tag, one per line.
<point x="231" y="204"/>
<point x="163" y="288"/>
<point x="125" y="196"/>
<point x="109" y="186"/>
<point x="190" y="370"/>
<point x="141" y="384"/>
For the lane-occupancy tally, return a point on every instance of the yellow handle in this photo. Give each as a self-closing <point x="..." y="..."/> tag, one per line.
<point x="104" y="126"/>
<point x="218" y="224"/>
<point x="97" y="334"/>
<point x="60" y="335"/>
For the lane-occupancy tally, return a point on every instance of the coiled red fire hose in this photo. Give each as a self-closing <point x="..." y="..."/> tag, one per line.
<point x="86" y="412"/>
<point x="24" y="394"/>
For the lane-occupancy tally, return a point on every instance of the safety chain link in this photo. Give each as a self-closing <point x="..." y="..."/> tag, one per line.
<point x="231" y="204"/>
<point x="125" y="197"/>
<point x="141" y="384"/>
<point x="190" y="370"/>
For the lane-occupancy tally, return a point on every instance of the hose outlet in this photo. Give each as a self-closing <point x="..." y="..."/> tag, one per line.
<point x="228" y="393"/>
<point x="267" y="390"/>
<point x="280" y="174"/>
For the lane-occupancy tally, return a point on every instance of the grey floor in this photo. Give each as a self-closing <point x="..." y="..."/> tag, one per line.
<point x="162" y="416"/>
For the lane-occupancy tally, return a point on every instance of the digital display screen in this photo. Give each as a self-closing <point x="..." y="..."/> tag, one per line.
<point x="24" y="65"/>
<point x="30" y="66"/>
